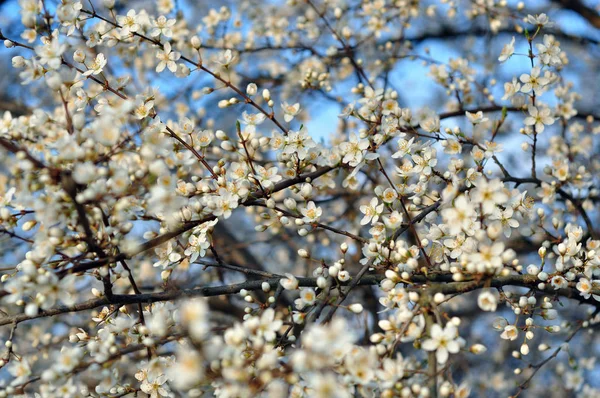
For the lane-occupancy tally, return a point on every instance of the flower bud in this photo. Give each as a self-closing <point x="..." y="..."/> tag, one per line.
<point x="195" y="42"/>
<point x="251" y="89"/>
<point x="478" y="349"/>
<point x="356" y="308"/>
<point x="18" y="62"/>
<point x="266" y="95"/>
<point x="79" y="56"/>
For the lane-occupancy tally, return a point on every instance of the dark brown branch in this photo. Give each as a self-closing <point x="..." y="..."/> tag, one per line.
<point x="434" y="282"/>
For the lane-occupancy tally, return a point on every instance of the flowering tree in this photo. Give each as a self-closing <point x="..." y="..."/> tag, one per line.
<point x="178" y="220"/>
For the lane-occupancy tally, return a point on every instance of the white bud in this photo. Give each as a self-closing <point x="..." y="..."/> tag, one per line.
<point x="18" y="62"/>
<point x="196" y="42"/>
<point x="533" y="269"/>
<point x="266" y="95"/>
<point x="542" y="252"/>
<point x="439" y="298"/>
<point x="290" y="203"/>
<point x="251" y="89"/>
<point x="333" y="271"/>
<point x="306" y="190"/>
<point x="79" y="56"/>
<point x="321" y="282"/>
<point x="165" y="274"/>
<point x="343" y="276"/>
<point x="303" y="253"/>
<point x="27" y="226"/>
<point x="478" y="349"/>
<point x="220" y="134"/>
<point x="344" y="247"/>
<point x="356" y="308"/>
<point x="414" y="296"/>
<point x="227" y="146"/>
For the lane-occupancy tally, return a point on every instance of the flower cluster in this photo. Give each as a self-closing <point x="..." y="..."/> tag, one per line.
<point x="180" y="215"/>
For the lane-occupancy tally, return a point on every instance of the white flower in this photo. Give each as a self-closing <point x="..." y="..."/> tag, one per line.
<point x="489" y="194"/>
<point x="539" y="117"/>
<point x="371" y="212"/>
<point x="311" y="213"/>
<point x="507" y="51"/>
<point x="96" y="67"/>
<point x="404" y="148"/>
<point x="289" y="282"/>
<point x="539" y="20"/>
<point x="83" y="173"/>
<point x="167" y="58"/>
<point x="353" y="150"/>
<point x="186" y="125"/>
<point x="431" y="124"/>
<point x="424" y="162"/>
<point x="226" y="58"/>
<point x="326" y="385"/>
<point x="487" y="301"/>
<point x="487" y="257"/>
<point x="290" y="111"/>
<point x="225" y="203"/>
<point x="506" y="220"/>
<point x="558" y="282"/>
<point x="389" y="195"/>
<point x="393" y="221"/>
<point x="533" y="81"/>
<point x="460" y="216"/>
<point x="106" y="132"/>
<point x="549" y="51"/>
<point x="188" y="369"/>
<point x="197" y="247"/>
<point x="50" y="53"/>
<point x="389" y="107"/>
<point x="267" y="326"/>
<point x="510" y="333"/>
<point x="251" y="120"/>
<point x="163" y="26"/>
<point x="20" y="370"/>
<point x="204" y="138"/>
<point x="511" y="88"/>
<point x="585" y="287"/>
<point x="154" y="386"/>
<point x="476" y="118"/>
<point x="299" y="142"/>
<point x="194" y="315"/>
<point x="68" y="359"/>
<point x="143" y="109"/>
<point x="129" y="23"/>
<point x="307" y="298"/>
<point x="166" y="255"/>
<point x="442" y="341"/>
